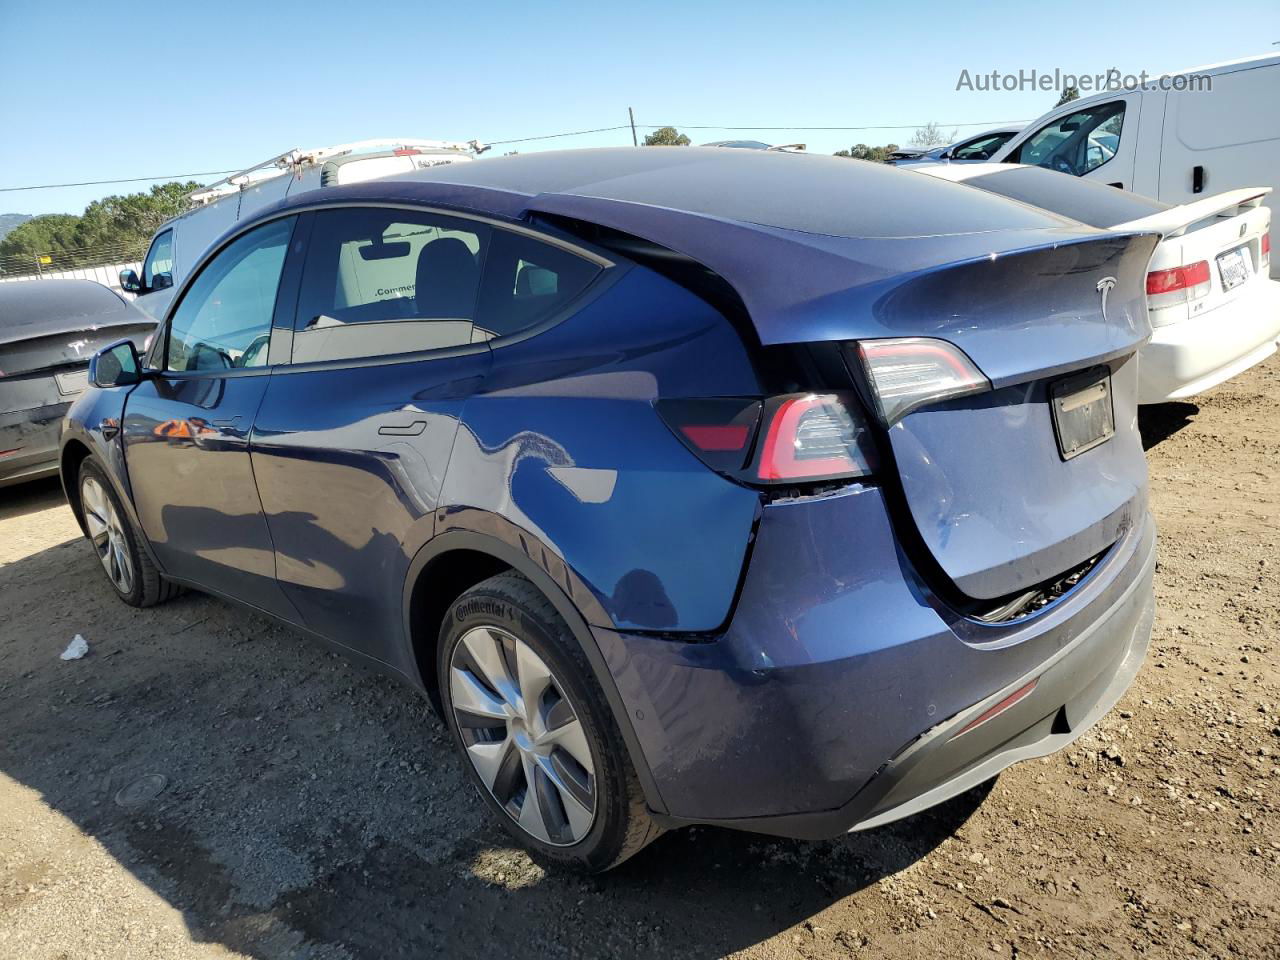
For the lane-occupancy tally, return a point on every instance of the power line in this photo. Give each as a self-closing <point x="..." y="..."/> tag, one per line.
<point x="905" y="126"/>
<point x="98" y="183"/>
<point x="712" y="126"/>
<point x="571" y="133"/>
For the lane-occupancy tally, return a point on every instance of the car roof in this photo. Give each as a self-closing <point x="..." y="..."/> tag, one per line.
<point x="1010" y="130"/>
<point x="791" y="233"/>
<point x="811" y="194"/>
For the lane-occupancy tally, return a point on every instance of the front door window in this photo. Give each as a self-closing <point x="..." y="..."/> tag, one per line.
<point x="224" y="320"/>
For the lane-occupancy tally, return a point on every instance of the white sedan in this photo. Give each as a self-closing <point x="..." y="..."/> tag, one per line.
<point x="1214" y="312"/>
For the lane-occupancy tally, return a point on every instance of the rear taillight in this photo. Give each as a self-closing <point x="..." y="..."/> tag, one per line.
<point x="908" y="372"/>
<point x="796" y="438"/>
<point x="815" y="436"/>
<point x="1265" y="259"/>
<point x="1167" y="288"/>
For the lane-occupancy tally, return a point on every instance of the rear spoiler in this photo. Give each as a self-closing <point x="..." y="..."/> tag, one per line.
<point x="1178" y="220"/>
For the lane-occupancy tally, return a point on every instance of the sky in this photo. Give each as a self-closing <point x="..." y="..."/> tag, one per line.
<point x="92" y="93"/>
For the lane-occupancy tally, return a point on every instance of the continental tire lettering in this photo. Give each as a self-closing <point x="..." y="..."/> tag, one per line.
<point x="483" y="606"/>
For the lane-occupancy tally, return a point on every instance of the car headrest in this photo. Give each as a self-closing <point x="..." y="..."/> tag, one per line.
<point x="446" y="280"/>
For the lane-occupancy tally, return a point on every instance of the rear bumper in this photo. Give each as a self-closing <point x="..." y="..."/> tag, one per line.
<point x="1194" y="355"/>
<point x="33" y="435"/>
<point x="1073" y="691"/>
<point x="835" y="699"/>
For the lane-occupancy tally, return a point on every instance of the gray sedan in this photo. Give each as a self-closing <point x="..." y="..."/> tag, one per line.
<point x="48" y="331"/>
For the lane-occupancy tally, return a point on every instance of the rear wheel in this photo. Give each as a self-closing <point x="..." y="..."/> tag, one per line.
<point x="538" y="739"/>
<point x="116" y="542"/>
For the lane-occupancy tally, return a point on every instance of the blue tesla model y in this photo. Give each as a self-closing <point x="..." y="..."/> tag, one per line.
<point x="779" y="492"/>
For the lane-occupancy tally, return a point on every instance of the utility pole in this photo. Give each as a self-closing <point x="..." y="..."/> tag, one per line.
<point x="632" y="116"/>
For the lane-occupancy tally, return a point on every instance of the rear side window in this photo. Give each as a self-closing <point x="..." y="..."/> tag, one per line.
<point x="383" y="282"/>
<point x="1078" y="143"/>
<point x="527" y="281"/>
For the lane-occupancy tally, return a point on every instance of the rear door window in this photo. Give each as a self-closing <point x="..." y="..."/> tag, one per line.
<point x="527" y="281"/>
<point x="380" y="282"/>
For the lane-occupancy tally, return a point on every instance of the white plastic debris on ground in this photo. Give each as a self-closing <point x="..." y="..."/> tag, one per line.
<point x="76" y="649"/>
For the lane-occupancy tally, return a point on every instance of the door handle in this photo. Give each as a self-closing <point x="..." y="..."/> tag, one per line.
<point x="1197" y="179"/>
<point x="227" y="422"/>
<point x="403" y="429"/>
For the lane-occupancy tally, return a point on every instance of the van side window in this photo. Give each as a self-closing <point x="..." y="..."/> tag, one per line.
<point x="383" y="282"/>
<point x="527" y="281"/>
<point x="159" y="263"/>
<point x="1077" y="143"/>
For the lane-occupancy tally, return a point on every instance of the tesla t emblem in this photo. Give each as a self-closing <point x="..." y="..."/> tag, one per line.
<point x="1105" y="286"/>
<point x="76" y="345"/>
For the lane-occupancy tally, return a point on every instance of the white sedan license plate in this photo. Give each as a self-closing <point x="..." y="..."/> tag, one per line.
<point x="72" y="384"/>
<point x="1235" y="267"/>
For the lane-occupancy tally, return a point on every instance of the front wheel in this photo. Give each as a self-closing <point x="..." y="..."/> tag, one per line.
<point x="538" y="738"/>
<point x="116" y="541"/>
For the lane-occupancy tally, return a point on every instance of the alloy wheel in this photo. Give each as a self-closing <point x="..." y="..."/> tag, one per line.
<point x="522" y="735"/>
<point x="107" y="534"/>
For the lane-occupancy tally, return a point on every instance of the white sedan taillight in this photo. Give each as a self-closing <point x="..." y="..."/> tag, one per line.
<point x="1177" y="285"/>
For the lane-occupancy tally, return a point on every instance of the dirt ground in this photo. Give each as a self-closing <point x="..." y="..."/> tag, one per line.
<point x="308" y="809"/>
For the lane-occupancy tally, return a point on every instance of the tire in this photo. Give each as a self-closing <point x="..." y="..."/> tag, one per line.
<point x="116" y="541"/>
<point x="483" y="665"/>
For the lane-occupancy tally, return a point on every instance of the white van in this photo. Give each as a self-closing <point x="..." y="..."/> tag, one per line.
<point x="179" y="243"/>
<point x="1176" y="145"/>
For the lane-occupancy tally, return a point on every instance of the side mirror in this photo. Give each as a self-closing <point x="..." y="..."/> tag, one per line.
<point x="161" y="281"/>
<point x="116" y="366"/>
<point x="129" y="281"/>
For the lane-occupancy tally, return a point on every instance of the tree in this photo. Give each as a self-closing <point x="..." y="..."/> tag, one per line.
<point x="1069" y="94"/>
<point x="112" y="230"/>
<point x="931" y="136"/>
<point x="862" y="152"/>
<point x="51" y="235"/>
<point x="666" y="137"/>
<point x="133" y="216"/>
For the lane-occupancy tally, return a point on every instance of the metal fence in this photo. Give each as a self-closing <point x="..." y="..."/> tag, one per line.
<point x="107" y="275"/>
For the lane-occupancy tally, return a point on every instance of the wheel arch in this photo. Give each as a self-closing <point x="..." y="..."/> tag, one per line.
<point x="74" y="453"/>
<point x="453" y="562"/>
